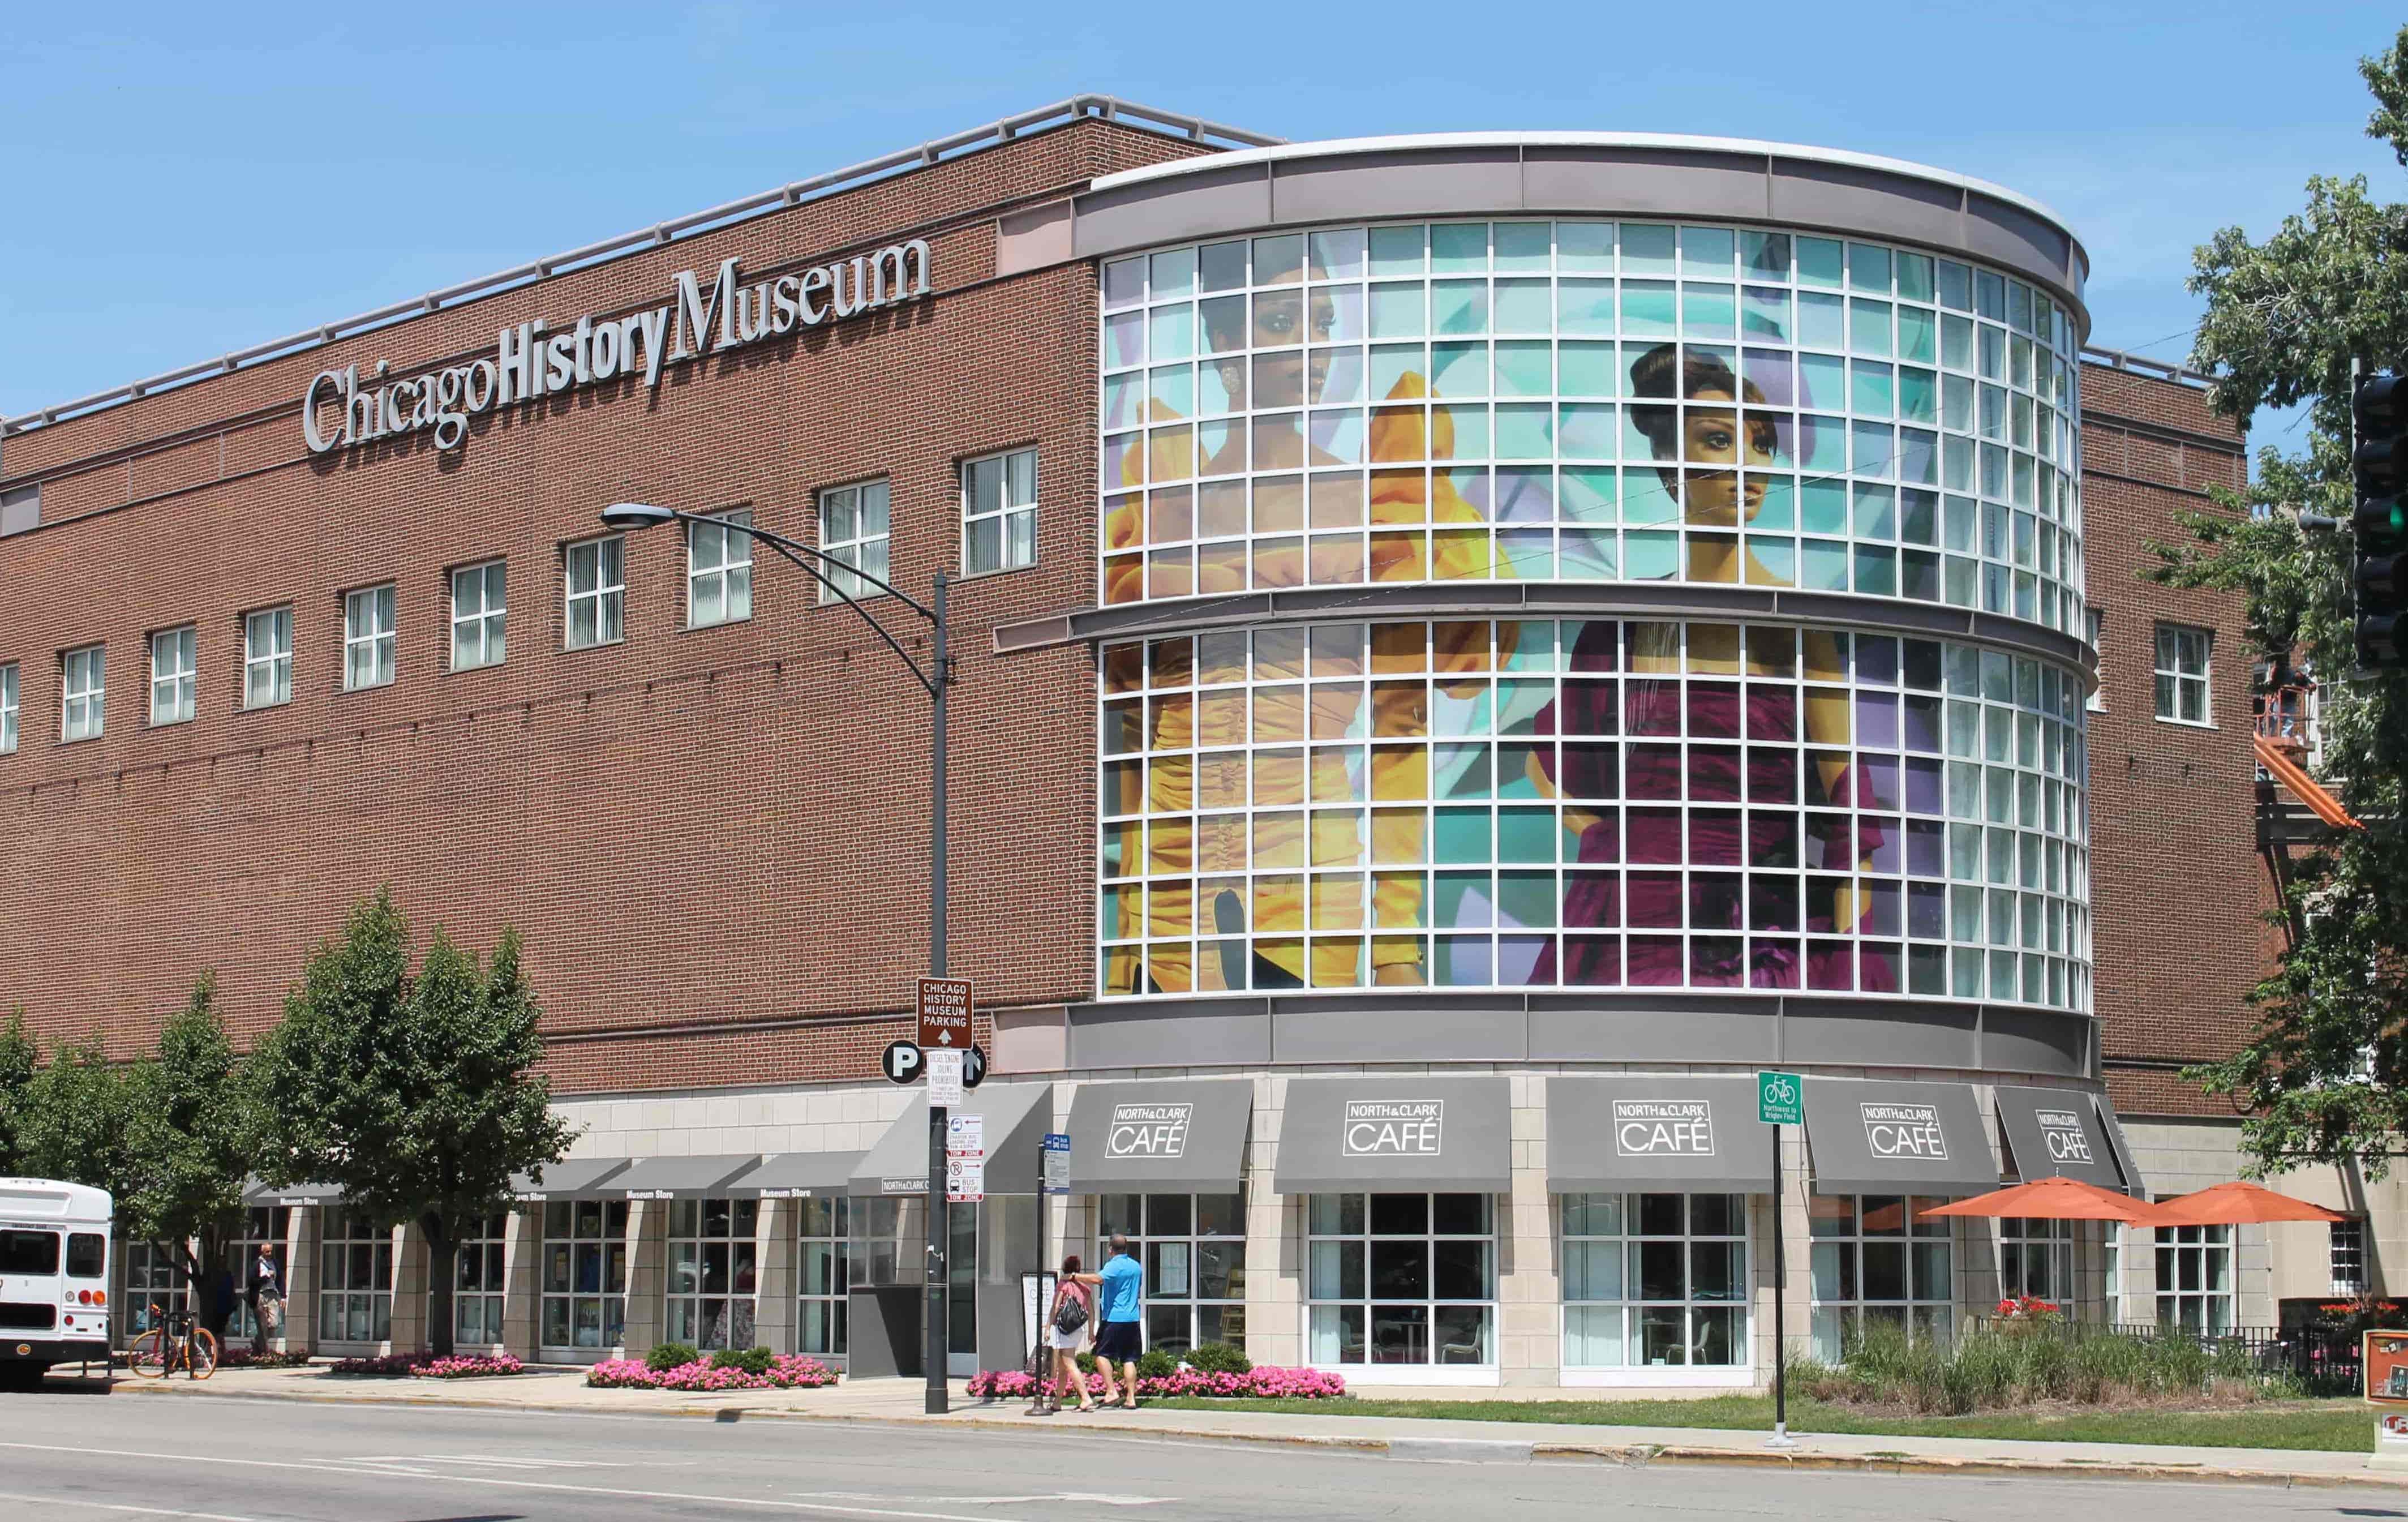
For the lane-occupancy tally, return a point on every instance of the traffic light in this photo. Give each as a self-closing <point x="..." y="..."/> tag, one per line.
<point x="2379" y="522"/>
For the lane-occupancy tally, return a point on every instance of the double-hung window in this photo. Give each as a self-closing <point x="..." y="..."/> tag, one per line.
<point x="480" y="615"/>
<point x="267" y="657"/>
<point x="597" y="591"/>
<point x="2181" y="674"/>
<point x="368" y="636"/>
<point x="82" y="681"/>
<point x="8" y="708"/>
<point x="175" y="674"/>
<point x="2349" y="1256"/>
<point x="1000" y="511"/>
<point x="853" y="529"/>
<point x="719" y="571"/>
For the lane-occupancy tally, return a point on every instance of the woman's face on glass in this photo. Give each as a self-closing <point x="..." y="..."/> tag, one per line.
<point x="1713" y="436"/>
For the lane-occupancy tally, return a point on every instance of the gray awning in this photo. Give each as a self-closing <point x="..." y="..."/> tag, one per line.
<point x="2057" y="1132"/>
<point x="1016" y="1116"/>
<point x="1874" y="1138"/>
<point x="292" y="1194"/>
<point x="798" y="1175"/>
<point x="580" y="1178"/>
<point x="2134" y="1185"/>
<point x="1656" y="1131"/>
<point x="1396" y="1135"/>
<point x="1178" y="1137"/>
<point x="683" y="1178"/>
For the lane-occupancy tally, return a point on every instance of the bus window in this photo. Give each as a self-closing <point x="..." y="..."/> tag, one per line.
<point x="29" y="1252"/>
<point x="87" y="1256"/>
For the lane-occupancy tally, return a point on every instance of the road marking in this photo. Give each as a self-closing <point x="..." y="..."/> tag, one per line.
<point x="767" y="1502"/>
<point x="116" y="1506"/>
<point x="496" y="1460"/>
<point x="1091" y="1497"/>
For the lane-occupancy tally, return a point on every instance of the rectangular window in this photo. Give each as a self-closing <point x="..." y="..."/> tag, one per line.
<point x="1193" y="1248"/>
<point x="2349" y="1257"/>
<point x="1402" y="1279"/>
<point x="999" y="513"/>
<point x="263" y="1226"/>
<point x="822" y="1274"/>
<point x="719" y="571"/>
<point x="1655" y="1280"/>
<point x="713" y="1274"/>
<point x="152" y="1288"/>
<point x="267" y="657"/>
<point x="1876" y="1263"/>
<point x="584" y="1273"/>
<point x="175" y="674"/>
<point x="478" y="1285"/>
<point x="8" y="708"/>
<point x="354" y="1277"/>
<point x="2195" y="1278"/>
<point x="2181" y="674"/>
<point x="597" y="591"/>
<point x="369" y="638"/>
<point x="853" y="529"/>
<point x="2096" y="701"/>
<point x="2036" y="1258"/>
<point x="480" y="615"/>
<point x="81" y="681"/>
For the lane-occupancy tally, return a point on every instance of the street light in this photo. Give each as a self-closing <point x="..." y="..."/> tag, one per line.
<point x="936" y="675"/>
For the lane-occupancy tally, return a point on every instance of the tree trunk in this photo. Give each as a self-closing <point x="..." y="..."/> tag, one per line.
<point x="442" y="1274"/>
<point x="202" y="1284"/>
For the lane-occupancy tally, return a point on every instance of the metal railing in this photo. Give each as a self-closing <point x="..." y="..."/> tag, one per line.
<point x="2119" y="359"/>
<point x="1109" y="107"/>
<point x="2324" y="1359"/>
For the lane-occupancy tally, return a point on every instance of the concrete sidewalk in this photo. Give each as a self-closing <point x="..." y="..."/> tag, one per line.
<point x="900" y="1400"/>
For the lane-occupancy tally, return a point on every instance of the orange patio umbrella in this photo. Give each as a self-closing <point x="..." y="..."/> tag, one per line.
<point x="2241" y="1202"/>
<point x="2057" y="1200"/>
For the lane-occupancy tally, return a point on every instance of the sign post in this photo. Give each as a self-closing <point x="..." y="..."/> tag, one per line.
<point x="944" y="1006"/>
<point x="1054" y="1161"/>
<point x="1780" y="1101"/>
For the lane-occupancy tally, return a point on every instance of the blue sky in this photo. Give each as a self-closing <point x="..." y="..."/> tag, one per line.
<point x="179" y="185"/>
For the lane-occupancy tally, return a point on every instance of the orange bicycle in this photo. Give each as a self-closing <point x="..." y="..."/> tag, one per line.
<point x="174" y="1342"/>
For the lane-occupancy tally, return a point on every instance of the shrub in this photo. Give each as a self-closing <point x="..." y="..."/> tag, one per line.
<point x="668" y="1356"/>
<point x="1218" y="1359"/>
<point x="753" y="1360"/>
<point x="785" y="1372"/>
<point x="427" y="1366"/>
<point x="2015" y="1364"/>
<point x="1260" y="1382"/>
<point x="1154" y="1363"/>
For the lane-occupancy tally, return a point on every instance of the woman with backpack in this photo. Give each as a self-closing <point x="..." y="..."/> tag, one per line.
<point x="1066" y="1332"/>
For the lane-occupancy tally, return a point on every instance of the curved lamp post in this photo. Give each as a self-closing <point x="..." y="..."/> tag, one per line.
<point x="936" y="675"/>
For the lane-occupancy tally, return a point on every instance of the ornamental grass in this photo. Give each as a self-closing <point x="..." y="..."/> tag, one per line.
<point x="2004" y="1367"/>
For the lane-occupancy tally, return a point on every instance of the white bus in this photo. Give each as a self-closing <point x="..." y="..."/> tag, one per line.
<point x="54" y="1277"/>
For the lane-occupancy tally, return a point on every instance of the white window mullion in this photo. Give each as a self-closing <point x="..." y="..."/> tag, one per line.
<point x="175" y="675"/>
<point x="267" y="657"/>
<point x="595" y="588"/>
<point x="82" y="692"/>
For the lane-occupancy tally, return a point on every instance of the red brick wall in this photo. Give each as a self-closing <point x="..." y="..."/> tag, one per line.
<point x="2176" y="884"/>
<point x="693" y="827"/>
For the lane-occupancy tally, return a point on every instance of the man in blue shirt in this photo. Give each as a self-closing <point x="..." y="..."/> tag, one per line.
<point x="1120" y="1303"/>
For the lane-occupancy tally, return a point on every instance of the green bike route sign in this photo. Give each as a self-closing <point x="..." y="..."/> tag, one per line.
<point x="1779" y="1099"/>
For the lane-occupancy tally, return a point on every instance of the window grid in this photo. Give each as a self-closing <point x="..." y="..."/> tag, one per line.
<point x="82" y="690"/>
<point x="355" y="1279"/>
<point x="8" y="708"/>
<point x="713" y="1274"/>
<point x="2195" y="1278"/>
<point x="175" y="675"/>
<point x="479" y="1283"/>
<point x="267" y="657"/>
<point x="719" y="571"/>
<point x="584" y="1273"/>
<point x="1597" y="804"/>
<point x="1655" y="1280"/>
<point x="151" y="1278"/>
<point x="2182" y="675"/>
<point x="2037" y="1258"/>
<point x="854" y="525"/>
<point x="823" y="1274"/>
<point x="369" y="641"/>
<point x="595" y="588"/>
<point x="262" y="1226"/>
<point x="480" y="615"/>
<point x="1193" y="1248"/>
<point x="1876" y="1261"/>
<point x="2348" y="1255"/>
<point x="999" y="513"/>
<point x="1908" y="430"/>
<point x="1402" y="1279"/>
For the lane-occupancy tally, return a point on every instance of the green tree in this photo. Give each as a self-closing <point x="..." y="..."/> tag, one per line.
<point x="416" y="1094"/>
<point x="79" y="1111"/>
<point x="19" y="1059"/>
<point x="2321" y="1078"/>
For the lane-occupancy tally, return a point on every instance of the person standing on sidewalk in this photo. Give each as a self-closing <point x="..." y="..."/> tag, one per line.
<point x="1120" y="1295"/>
<point x="267" y="1302"/>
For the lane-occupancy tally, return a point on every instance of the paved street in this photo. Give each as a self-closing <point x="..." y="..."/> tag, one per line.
<point x="73" y="1456"/>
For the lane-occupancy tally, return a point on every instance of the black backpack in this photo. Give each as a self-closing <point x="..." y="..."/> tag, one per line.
<point x="1069" y="1314"/>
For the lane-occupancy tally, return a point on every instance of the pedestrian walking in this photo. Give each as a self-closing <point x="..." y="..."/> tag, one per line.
<point x="266" y="1302"/>
<point x="1066" y="1325"/>
<point x="1120" y="1295"/>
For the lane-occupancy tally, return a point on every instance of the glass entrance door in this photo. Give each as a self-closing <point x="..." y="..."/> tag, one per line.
<point x="961" y="1290"/>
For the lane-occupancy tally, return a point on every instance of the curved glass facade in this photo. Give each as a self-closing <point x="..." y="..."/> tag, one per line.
<point x="1587" y="400"/>
<point x="1599" y="803"/>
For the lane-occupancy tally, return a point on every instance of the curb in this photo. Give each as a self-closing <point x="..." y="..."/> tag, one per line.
<point x="1474" y="1450"/>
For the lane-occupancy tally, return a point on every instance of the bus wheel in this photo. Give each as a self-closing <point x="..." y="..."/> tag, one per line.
<point x="22" y="1376"/>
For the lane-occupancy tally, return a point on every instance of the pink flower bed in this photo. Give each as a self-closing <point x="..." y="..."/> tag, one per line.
<point x="1265" y="1381"/>
<point x="787" y="1372"/>
<point x="427" y="1366"/>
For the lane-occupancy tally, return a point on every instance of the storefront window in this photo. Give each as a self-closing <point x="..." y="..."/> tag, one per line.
<point x="584" y="1273"/>
<point x="354" y="1278"/>
<point x="1599" y="803"/>
<point x="823" y="1228"/>
<point x="478" y="1285"/>
<point x="153" y="1287"/>
<point x="712" y="1272"/>
<point x="1877" y="1263"/>
<point x="1655" y="1280"/>
<point x="2195" y="1278"/>
<point x="262" y="1226"/>
<point x="2037" y="1258"/>
<point x="1193" y="1251"/>
<point x="1402" y="1279"/>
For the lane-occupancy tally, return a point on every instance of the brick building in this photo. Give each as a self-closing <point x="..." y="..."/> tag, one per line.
<point x="1468" y="648"/>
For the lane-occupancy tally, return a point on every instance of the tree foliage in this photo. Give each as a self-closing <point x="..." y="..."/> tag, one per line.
<point x="194" y="1127"/>
<point x="2321" y="1078"/>
<point x="19" y="1058"/>
<point x="415" y="1092"/>
<point x="78" y="1118"/>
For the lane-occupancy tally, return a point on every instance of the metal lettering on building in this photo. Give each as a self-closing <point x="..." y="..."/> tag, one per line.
<point x="1149" y="1130"/>
<point x="535" y="359"/>
<point x="1663" y="1128"/>
<point x="1904" y="1131"/>
<point x="2061" y="1129"/>
<point x="1394" y="1127"/>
